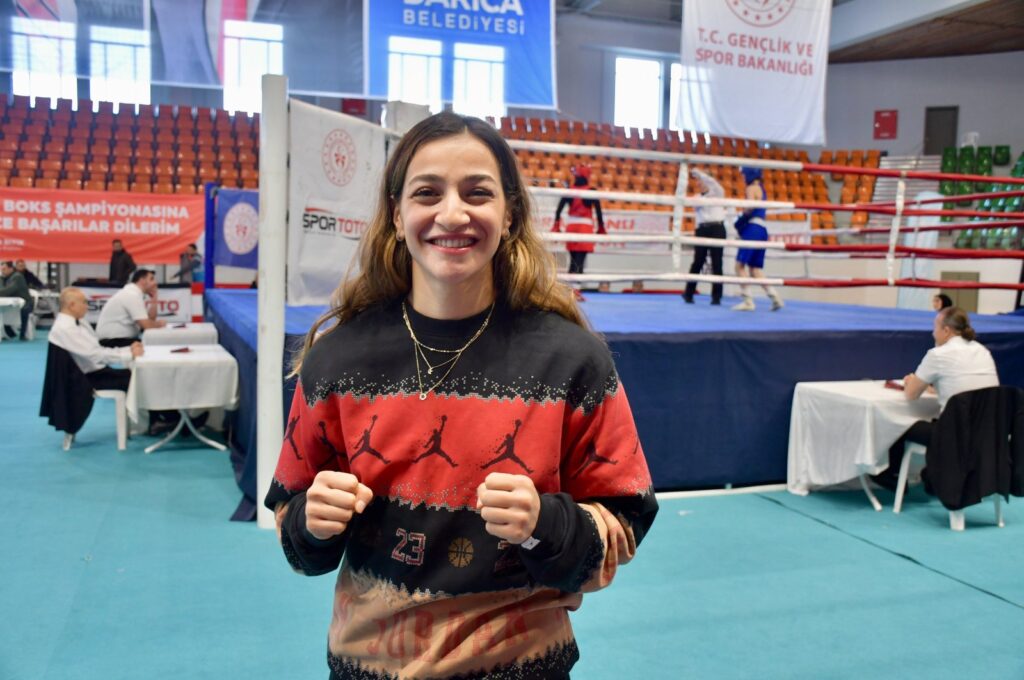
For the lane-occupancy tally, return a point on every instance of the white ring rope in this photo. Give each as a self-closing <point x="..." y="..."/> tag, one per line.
<point x="666" y="238"/>
<point x="664" y="199"/>
<point x="681" y="276"/>
<point x="665" y="156"/>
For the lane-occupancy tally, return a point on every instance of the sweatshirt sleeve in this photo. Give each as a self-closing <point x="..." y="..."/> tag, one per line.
<point x="313" y="442"/>
<point x="607" y="503"/>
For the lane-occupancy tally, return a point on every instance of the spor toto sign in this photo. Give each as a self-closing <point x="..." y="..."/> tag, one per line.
<point x="761" y="12"/>
<point x="241" y="228"/>
<point x="338" y="157"/>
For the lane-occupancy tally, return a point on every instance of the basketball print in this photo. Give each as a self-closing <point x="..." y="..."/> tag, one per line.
<point x="460" y="552"/>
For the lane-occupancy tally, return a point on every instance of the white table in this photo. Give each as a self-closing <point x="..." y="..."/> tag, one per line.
<point x="10" y="313"/>
<point x="181" y="334"/>
<point x="204" y="377"/>
<point x="839" y="431"/>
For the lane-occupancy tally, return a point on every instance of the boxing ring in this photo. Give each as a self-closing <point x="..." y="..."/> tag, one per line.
<point x="711" y="390"/>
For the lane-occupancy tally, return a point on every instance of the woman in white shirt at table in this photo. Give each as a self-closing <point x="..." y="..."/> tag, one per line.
<point x="957" y="363"/>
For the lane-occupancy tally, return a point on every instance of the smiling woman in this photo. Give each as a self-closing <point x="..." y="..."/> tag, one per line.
<point x="452" y="216"/>
<point x="503" y="475"/>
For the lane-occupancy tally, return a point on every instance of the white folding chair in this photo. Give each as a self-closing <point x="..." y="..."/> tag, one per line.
<point x="956" y="517"/>
<point x="120" y="413"/>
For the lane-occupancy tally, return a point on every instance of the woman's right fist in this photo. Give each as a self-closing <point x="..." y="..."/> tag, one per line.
<point x="332" y="501"/>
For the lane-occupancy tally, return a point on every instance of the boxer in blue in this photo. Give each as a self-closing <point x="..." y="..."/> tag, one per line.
<point x="750" y="226"/>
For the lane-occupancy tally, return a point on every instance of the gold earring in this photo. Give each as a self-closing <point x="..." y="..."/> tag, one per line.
<point x="506" y="235"/>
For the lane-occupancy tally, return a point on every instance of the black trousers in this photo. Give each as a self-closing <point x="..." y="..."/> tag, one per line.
<point x="577" y="258"/>
<point x="700" y="255"/>
<point x="26" y="312"/>
<point x="117" y="342"/>
<point x="110" y="379"/>
<point x="919" y="433"/>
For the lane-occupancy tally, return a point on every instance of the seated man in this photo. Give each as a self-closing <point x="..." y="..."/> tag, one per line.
<point x="956" y="364"/>
<point x="31" y="279"/>
<point x="13" y="284"/>
<point x="127" y="313"/>
<point x="73" y="333"/>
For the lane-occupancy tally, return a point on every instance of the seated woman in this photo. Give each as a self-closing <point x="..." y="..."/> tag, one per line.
<point x="957" y="363"/>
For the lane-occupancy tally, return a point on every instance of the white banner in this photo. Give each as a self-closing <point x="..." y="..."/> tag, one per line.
<point x="174" y="303"/>
<point x="615" y="222"/>
<point x="755" y="69"/>
<point x="334" y="170"/>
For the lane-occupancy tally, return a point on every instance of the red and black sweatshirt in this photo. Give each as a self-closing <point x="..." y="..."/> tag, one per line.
<point x="425" y="591"/>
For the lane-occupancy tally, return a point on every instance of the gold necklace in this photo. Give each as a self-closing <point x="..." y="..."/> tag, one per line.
<point x="418" y="348"/>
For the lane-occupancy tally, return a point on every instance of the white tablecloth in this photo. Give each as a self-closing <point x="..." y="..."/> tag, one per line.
<point x="181" y="334"/>
<point x="839" y="430"/>
<point x="10" y="313"/>
<point x="204" y="377"/>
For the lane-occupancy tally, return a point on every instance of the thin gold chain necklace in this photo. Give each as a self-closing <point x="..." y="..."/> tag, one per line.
<point x="418" y="348"/>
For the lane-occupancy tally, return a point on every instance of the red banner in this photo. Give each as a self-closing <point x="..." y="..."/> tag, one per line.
<point x="78" y="226"/>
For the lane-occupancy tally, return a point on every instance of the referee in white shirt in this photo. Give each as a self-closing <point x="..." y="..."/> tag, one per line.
<point x="73" y="333"/>
<point x="710" y="224"/>
<point x="127" y="312"/>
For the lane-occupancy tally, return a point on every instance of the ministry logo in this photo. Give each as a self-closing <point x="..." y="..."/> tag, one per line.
<point x="761" y="12"/>
<point x="241" y="228"/>
<point x="338" y="157"/>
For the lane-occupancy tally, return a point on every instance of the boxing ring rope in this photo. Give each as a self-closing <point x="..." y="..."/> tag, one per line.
<point x="897" y="209"/>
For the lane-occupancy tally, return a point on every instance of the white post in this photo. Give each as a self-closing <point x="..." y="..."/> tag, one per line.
<point x="677" y="216"/>
<point x="273" y="246"/>
<point x="894" y="233"/>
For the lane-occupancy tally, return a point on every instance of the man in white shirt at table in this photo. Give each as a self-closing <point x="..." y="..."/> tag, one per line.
<point x="127" y="313"/>
<point x="957" y="363"/>
<point x="73" y="333"/>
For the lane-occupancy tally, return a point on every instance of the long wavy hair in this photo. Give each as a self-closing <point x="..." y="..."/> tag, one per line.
<point x="524" y="272"/>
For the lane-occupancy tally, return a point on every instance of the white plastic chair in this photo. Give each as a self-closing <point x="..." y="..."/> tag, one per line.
<point x="956" y="517"/>
<point x="120" y="412"/>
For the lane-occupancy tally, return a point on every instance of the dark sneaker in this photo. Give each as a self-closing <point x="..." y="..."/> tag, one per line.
<point x="886" y="480"/>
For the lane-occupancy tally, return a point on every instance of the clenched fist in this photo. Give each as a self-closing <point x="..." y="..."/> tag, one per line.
<point x="510" y="506"/>
<point x="332" y="501"/>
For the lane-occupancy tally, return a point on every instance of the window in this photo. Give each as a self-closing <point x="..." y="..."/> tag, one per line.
<point x="119" y="65"/>
<point x="414" y="71"/>
<point x="638" y="92"/>
<point x="43" y="58"/>
<point x="688" y="86"/>
<point x="479" y="80"/>
<point x="251" y="50"/>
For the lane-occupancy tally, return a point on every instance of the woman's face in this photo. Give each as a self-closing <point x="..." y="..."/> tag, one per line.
<point x="936" y="303"/>
<point x="451" y="214"/>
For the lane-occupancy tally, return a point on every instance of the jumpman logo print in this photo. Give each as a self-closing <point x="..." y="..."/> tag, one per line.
<point x="363" y="445"/>
<point x="592" y="458"/>
<point x="509" y="446"/>
<point x="325" y="441"/>
<point x="290" y="436"/>
<point x="433" y="445"/>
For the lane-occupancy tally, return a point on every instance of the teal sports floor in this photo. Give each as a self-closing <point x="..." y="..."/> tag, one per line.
<point x="122" y="565"/>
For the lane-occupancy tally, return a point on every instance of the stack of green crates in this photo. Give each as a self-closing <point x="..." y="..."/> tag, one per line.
<point x="983" y="159"/>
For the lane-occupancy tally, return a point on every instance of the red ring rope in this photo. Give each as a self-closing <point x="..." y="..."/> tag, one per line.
<point x="937" y="253"/>
<point x="909" y="283"/>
